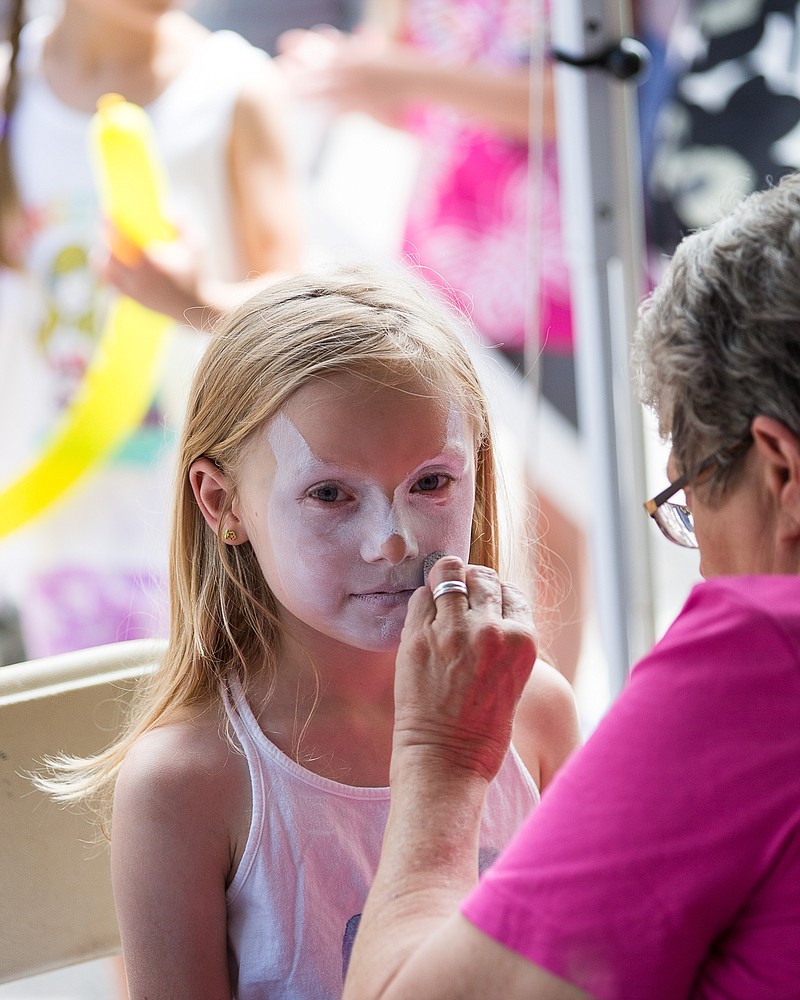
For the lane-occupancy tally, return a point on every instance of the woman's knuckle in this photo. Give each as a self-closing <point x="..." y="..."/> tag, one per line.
<point x="481" y="575"/>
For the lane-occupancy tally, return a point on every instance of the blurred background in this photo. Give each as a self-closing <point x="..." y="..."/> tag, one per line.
<point x="434" y="134"/>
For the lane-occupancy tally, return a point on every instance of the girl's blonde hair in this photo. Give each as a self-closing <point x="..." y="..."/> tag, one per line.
<point x="375" y="324"/>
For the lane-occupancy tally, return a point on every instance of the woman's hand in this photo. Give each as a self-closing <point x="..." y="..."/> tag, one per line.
<point x="462" y="664"/>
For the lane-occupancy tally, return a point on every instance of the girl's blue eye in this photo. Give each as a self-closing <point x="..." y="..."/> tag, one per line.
<point x="327" y="493"/>
<point x="431" y="483"/>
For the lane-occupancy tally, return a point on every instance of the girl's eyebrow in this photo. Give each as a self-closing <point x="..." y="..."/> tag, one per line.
<point x="452" y="456"/>
<point x="289" y="445"/>
<point x="455" y="458"/>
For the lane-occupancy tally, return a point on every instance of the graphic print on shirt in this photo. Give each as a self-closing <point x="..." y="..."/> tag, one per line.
<point x="75" y="308"/>
<point x="486" y="858"/>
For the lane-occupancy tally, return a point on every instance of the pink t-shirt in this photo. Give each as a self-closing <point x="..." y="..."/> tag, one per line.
<point x="664" y="861"/>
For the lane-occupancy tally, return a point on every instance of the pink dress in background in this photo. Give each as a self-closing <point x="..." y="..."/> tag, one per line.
<point x="468" y="221"/>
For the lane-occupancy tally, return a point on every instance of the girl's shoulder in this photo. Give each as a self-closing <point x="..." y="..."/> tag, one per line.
<point x="546" y="725"/>
<point x="178" y="824"/>
<point x="189" y="766"/>
<point x="191" y="741"/>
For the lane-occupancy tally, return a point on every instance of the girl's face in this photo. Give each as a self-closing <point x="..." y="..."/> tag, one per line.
<point x="344" y="493"/>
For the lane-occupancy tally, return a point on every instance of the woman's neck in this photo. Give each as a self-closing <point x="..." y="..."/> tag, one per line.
<point x="90" y="53"/>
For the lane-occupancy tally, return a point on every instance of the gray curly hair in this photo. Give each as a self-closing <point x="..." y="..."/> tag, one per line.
<point x="718" y="341"/>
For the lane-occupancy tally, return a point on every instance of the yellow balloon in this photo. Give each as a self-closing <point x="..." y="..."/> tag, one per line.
<point x="121" y="379"/>
<point x="130" y="178"/>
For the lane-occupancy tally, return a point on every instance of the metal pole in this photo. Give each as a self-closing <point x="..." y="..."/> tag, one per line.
<point x="601" y="192"/>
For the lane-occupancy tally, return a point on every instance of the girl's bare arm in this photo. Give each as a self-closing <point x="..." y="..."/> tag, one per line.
<point x="175" y="809"/>
<point x="372" y="73"/>
<point x="546" y="726"/>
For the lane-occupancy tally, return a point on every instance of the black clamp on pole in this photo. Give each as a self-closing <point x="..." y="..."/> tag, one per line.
<point x="625" y="60"/>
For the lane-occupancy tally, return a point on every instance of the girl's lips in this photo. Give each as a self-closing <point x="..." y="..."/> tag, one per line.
<point x="387" y="598"/>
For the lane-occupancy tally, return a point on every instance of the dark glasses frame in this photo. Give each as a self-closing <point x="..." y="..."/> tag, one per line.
<point x="675" y="519"/>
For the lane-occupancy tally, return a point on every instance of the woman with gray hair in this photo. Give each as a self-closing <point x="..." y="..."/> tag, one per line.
<point x="664" y="861"/>
<point x="717" y="348"/>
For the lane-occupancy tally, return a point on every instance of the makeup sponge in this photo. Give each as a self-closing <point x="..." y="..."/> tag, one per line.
<point x="427" y="565"/>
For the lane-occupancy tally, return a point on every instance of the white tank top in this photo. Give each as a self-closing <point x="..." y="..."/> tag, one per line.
<point x="311" y="853"/>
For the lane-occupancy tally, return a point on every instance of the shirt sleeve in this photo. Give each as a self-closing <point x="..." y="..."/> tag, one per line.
<point x="649" y="841"/>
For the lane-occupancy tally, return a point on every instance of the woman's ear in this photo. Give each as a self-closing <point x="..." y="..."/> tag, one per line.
<point x="779" y="449"/>
<point x="212" y="489"/>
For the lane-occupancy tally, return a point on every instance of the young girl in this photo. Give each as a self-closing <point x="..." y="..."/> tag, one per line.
<point x="336" y="436"/>
<point x="89" y="571"/>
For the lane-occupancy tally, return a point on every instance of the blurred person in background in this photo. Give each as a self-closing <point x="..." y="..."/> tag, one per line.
<point x="91" y="569"/>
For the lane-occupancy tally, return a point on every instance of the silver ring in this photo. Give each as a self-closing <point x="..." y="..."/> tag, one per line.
<point x="449" y="587"/>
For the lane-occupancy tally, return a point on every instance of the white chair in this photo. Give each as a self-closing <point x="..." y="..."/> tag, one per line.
<point x="56" y="907"/>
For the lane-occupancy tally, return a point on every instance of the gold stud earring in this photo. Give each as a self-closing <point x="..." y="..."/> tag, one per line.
<point x="229" y="535"/>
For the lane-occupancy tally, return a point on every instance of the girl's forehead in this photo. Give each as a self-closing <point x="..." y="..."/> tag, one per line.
<point x="393" y="395"/>
<point x="352" y="419"/>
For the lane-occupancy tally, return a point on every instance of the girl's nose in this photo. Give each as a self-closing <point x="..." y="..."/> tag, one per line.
<point x="391" y="543"/>
<point x="396" y="548"/>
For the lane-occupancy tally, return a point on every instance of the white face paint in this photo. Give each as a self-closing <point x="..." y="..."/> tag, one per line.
<point x="345" y="492"/>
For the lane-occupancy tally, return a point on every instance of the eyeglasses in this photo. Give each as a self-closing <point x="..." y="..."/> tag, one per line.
<point x="675" y="519"/>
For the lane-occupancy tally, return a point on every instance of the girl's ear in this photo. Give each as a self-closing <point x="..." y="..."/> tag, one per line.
<point x="212" y="489"/>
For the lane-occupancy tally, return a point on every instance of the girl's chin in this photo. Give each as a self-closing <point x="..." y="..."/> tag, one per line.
<point x="387" y="641"/>
<point x="383" y="635"/>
